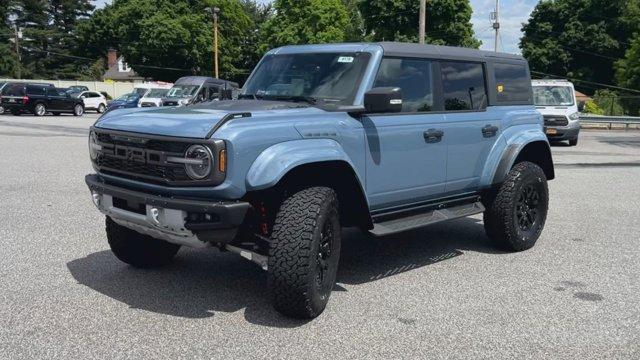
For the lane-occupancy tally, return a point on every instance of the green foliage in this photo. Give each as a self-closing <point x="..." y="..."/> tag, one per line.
<point x="628" y="68"/>
<point x="609" y="102"/>
<point x="155" y="35"/>
<point x="579" y="38"/>
<point x="306" y="22"/>
<point x="448" y="21"/>
<point x="590" y="107"/>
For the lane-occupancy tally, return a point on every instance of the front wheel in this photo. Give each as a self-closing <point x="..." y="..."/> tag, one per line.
<point x="304" y="252"/>
<point x="516" y="214"/>
<point x="78" y="110"/>
<point x="136" y="249"/>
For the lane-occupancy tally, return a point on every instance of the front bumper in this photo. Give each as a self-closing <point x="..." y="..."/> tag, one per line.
<point x="560" y="133"/>
<point x="192" y="223"/>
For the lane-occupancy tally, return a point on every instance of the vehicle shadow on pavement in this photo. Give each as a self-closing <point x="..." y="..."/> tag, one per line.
<point x="202" y="282"/>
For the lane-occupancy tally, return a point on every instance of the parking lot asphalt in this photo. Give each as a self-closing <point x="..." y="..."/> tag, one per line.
<point x="438" y="293"/>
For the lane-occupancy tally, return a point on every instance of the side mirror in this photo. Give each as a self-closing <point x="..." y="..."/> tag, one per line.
<point x="383" y="100"/>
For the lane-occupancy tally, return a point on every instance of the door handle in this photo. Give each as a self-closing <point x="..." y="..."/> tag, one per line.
<point x="489" y="131"/>
<point x="433" y="135"/>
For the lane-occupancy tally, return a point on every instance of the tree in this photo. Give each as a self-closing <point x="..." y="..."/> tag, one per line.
<point x="448" y="21"/>
<point x="306" y="22"/>
<point x="579" y="38"/>
<point x="48" y="42"/>
<point x="165" y="39"/>
<point x="628" y="68"/>
<point x="8" y="61"/>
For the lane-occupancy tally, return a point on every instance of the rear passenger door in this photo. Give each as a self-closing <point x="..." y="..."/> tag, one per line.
<point x="470" y="129"/>
<point x="403" y="164"/>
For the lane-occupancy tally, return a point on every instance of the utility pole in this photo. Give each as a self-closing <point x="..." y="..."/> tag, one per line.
<point x="496" y="23"/>
<point x="16" y="41"/>
<point x="423" y="21"/>
<point x="214" y="12"/>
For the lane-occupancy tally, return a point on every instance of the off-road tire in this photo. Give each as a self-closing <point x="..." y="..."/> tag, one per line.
<point x="501" y="214"/>
<point x="298" y="286"/>
<point x="573" y="142"/>
<point x="136" y="249"/>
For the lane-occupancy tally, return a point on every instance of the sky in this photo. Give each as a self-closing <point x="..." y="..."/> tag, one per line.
<point x="512" y="14"/>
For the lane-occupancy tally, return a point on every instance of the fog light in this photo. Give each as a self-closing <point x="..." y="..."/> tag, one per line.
<point x="97" y="198"/>
<point x="155" y="215"/>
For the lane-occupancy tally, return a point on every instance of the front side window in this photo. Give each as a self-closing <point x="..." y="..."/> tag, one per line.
<point x="463" y="86"/>
<point x="513" y="83"/>
<point x="553" y="95"/>
<point x="328" y="79"/>
<point x="413" y="77"/>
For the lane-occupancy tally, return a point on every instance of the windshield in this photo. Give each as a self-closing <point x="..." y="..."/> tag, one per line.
<point x="328" y="78"/>
<point x="156" y="93"/>
<point x="183" y="90"/>
<point x="552" y="95"/>
<point x="128" y="97"/>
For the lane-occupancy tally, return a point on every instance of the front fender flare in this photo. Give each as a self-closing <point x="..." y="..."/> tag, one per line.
<point x="510" y="153"/>
<point x="276" y="161"/>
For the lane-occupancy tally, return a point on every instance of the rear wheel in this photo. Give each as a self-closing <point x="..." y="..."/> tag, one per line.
<point x="304" y="252"/>
<point x="101" y="108"/>
<point x="516" y="214"/>
<point x="39" y="109"/>
<point x="137" y="249"/>
<point x="78" y="110"/>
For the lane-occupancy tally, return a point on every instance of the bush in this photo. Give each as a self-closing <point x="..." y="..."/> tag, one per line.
<point x="590" y="107"/>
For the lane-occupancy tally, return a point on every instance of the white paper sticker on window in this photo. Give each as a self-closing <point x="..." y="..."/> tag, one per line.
<point x="345" y="59"/>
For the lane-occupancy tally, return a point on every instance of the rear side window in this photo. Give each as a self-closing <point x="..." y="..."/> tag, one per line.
<point x="14" y="90"/>
<point x="413" y="77"/>
<point x="35" y="90"/>
<point x="513" y="83"/>
<point x="463" y="86"/>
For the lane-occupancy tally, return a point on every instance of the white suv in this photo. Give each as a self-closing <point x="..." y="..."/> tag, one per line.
<point x="93" y="101"/>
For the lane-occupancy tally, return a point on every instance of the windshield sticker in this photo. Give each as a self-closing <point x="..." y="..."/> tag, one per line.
<point x="345" y="59"/>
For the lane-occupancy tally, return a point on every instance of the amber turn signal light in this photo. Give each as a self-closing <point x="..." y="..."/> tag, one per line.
<point x="222" y="161"/>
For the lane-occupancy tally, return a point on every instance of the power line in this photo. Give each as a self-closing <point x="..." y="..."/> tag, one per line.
<point x="586" y="82"/>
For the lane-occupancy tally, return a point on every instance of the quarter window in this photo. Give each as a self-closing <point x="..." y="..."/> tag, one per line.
<point x="413" y="77"/>
<point x="463" y="86"/>
<point x="513" y="83"/>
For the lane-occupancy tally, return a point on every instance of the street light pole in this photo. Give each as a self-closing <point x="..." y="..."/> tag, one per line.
<point x="423" y="21"/>
<point x="496" y="25"/>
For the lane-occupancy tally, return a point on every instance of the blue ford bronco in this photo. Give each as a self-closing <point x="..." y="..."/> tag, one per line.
<point x="386" y="137"/>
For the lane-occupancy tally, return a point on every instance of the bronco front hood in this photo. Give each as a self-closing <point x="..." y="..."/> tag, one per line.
<point x="191" y="121"/>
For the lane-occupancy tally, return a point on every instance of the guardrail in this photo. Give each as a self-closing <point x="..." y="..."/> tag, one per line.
<point x="610" y="120"/>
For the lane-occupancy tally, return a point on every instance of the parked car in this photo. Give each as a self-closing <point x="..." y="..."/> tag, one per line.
<point x="556" y="100"/>
<point x="153" y="98"/>
<point x="92" y="100"/>
<point x="125" y="101"/>
<point x="19" y="98"/>
<point x="385" y="137"/>
<point x="77" y="88"/>
<point x="191" y="90"/>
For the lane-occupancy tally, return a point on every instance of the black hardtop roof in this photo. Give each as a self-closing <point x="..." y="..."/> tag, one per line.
<point x="197" y="80"/>
<point x="444" y="52"/>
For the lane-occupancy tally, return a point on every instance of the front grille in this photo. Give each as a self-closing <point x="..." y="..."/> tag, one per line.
<point x="555" y="120"/>
<point x="123" y="156"/>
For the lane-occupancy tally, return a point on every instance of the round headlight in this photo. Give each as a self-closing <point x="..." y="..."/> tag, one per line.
<point x="199" y="162"/>
<point x="93" y="146"/>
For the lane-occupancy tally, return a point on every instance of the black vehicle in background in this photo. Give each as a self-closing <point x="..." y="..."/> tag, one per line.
<point x="189" y="90"/>
<point x="38" y="99"/>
